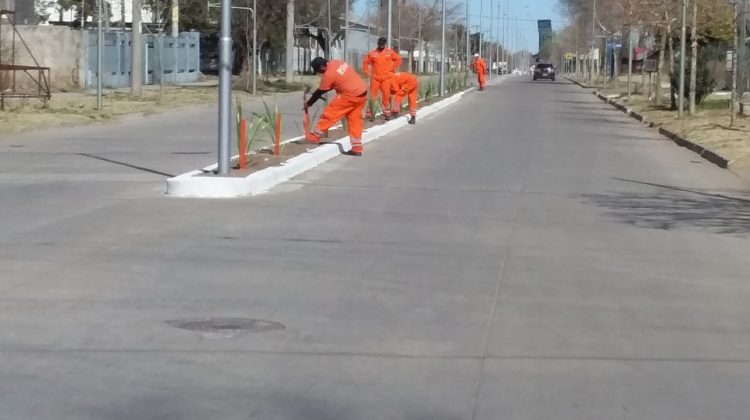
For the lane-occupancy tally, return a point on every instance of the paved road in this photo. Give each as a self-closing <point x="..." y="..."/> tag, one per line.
<point x="527" y="254"/>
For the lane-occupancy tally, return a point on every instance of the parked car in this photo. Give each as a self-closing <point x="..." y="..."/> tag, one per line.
<point x="544" y="71"/>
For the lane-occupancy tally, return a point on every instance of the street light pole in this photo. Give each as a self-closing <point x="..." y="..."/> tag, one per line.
<point x="225" y="86"/>
<point x="492" y="17"/>
<point x="468" y="47"/>
<point x="255" y="48"/>
<point x="682" y="60"/>
<point x="390" y="22"/>
<point x="99" y="54"/>
<point x="346" y="26"/>
<point x="481" y="10"/>
<point x="442" y="54"/>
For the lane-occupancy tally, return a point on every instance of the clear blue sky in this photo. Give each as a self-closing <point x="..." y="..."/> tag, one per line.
<point x="527" y="11"/>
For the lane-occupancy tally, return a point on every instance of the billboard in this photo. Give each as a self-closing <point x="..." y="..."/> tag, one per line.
<point x="545" y="31"/>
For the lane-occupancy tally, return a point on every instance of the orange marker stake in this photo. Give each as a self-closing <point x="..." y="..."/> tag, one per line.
<point x="243" y="143"/>
<point x="277" y="146"/>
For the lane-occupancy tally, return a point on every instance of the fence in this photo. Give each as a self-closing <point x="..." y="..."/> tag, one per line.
<point x="165" y="59"/>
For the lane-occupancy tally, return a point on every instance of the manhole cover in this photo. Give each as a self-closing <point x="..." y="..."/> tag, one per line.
<point x="225" y="327"/>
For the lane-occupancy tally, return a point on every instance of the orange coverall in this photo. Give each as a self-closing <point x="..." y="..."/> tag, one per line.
<point x="480" y="67"/>
<point x="384" y="64"/>
<point x="349" y="101"/>
<point x="405" y="84"/>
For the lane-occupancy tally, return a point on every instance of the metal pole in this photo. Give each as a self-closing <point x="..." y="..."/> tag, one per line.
<point x="289" y="68"/>
<point x="83" y="13"/>
<point x="593" y="34"/>
<point x="630" y="63"/>
<point x="346" y="26"/>
<point x="99" y="54"/>
<point x="390" y="22"/>
<point x="176" y="18"/>
<point x="682" y="60"/>
<point x="255" y="49"/>
<point x="735" y="67"/>
<point x="225" y="86"/>
<point x="468" y="42"/>
<point x="442" y="54"/>
<point x="481" y="10"/>
<point x="328" y="40"/>
<point x="136" y="57"/>
<point x="492" y="17"/>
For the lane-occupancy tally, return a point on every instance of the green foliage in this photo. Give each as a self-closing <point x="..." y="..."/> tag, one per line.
<point x="704" y="82"/>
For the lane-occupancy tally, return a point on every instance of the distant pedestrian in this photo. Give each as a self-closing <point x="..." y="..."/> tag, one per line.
<point x="349" y="101"/>
<point x="480" y="68"/>
<point x="405" y="84"/>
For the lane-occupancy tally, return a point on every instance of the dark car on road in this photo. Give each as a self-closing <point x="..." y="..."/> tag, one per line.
<point x="544" y="71"/>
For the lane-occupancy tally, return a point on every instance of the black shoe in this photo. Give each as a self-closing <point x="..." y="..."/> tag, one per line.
<point x="413" y="120"/>
<point x="353" y="153"/>
<point x="387" y="117"/>
<point x="394" y="114"/>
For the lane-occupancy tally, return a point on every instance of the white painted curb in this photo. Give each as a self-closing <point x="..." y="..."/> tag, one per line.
<point x="197" y="184"/>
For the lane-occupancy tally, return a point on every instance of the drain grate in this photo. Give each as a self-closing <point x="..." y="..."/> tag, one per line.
<point x="226" y="327"/>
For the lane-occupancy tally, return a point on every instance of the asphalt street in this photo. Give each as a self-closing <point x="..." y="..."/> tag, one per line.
<point x="529" y="253"/>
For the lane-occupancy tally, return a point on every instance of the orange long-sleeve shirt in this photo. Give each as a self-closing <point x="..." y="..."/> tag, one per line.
<point x="480" y="66"/>
<point x="403" y="80"/>
<point x="383" y="63"/>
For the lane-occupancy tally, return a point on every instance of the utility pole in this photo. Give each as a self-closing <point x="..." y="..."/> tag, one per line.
<point x="175" y="18"/>
<point x="693" y="59"/>
<point x="225" y="86"/>
<point x="492" y="34"/>
<point x="99" y="54"/>
<point x="255" y="48"/>
<point x="442" y="54"/>
<point x="289" y="71"/>
<point x="346" y="26"/>
<point x="390" y="23"/>
<point x="630" y="63"/>
<point x="481" y="10"/>
<point x="330" y="29"/>
<point x="681" y="103"/>
<point x="468" y="47"/>
<point x="136" y="50"/>
<point x="744" y="72"/>
<point x="497" y="40"/>
<point x="593" y="40"/>
<point x="122" y="15"/>
<point x="735" y="67"/>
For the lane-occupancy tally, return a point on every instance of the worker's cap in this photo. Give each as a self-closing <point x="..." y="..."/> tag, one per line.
<point x="318" y="63"/>
<point x="476" y="55"/>
<point x="382" y="41"/>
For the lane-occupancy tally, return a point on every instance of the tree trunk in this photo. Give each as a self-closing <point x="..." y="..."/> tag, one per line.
<point x="660" y="73"/>
<point x="671" y="49"/>
<point x="693" y="59"/>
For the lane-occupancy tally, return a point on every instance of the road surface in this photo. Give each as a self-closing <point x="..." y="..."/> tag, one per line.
<point x="529" y="253"/>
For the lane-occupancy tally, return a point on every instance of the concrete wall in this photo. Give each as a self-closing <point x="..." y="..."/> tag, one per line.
<point x="59" y="48"/>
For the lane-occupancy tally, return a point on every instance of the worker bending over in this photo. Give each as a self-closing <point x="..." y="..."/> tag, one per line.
<point x="405" y="85"/>
<point x="349" y="102"/>
<point x="379" y="65"/>
<point x="480" y="68"/>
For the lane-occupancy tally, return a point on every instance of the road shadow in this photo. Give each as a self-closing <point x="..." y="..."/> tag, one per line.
<point x="669" y="207"/>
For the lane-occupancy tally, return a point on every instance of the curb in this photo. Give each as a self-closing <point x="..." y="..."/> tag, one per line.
<point x="706" y="154"/>
<point x="195" y="184"/>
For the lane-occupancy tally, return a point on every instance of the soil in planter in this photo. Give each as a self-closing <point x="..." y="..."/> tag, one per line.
<point x="265" y="158"/>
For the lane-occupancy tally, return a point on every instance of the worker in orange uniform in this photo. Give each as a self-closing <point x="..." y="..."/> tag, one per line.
<point x="384" y="63"/>
<point x="480" y="68"/>
<point x="405" y="85"/>
<point x="349" y="102"/>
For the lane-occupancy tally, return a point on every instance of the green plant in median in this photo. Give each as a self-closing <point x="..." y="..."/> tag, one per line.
<point x="704" y="82"/>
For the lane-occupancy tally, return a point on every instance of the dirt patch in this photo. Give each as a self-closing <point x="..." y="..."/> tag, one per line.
<point x="264" y="158"/>
<point x="710" y="127"/>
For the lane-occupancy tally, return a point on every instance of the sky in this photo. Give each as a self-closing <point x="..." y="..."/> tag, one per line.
<point x="527" y="12"/>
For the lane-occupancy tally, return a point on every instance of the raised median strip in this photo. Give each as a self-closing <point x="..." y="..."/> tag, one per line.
<point x="203" y="184"/>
